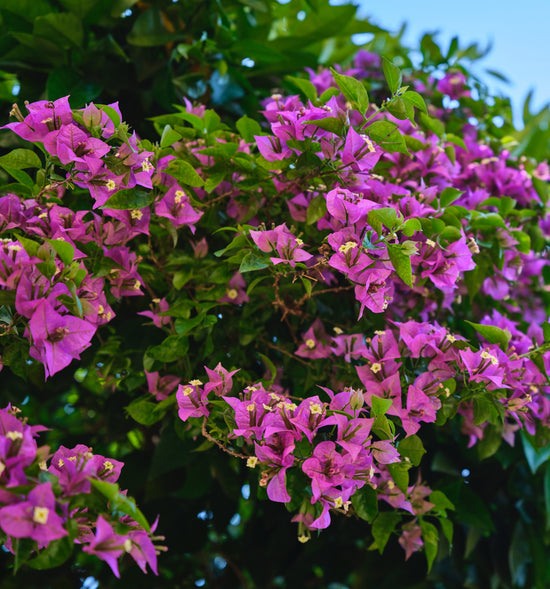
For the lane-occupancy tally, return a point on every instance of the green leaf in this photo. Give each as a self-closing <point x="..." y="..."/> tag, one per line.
<point x="63" y="80"/>
<point x="316" y="209"/>
<point x="412" y="448"/>
<point x="524" y="241"/>
<point x="30" y="246"/>
<point x="144" y="412"/>
<point x="248" y="127"/>
<point x="536" y="457"/>
<point x="387" y="135"/>
<point x="171" y="349"/>
<point x="184" y="326"/>
<point x="353" y="90"/>
<point x="22" y="177"/>
<point x="28" y="9"/>
<point x="493" y="334"/>
<point x="64" y="250"/>
<point x="149" y="30"/>
<point x="62" y="28"/>
<point x="78" y="7"/>
<point x="400" y="109"/>
<point x="383" y="527"/>
<point x="441" y="502"/>
<point x="400" y="474"/>
<point x="401" y="263"/>
<point x="455" y="139"/>
<point x="432" y="124"/>
<point x="411" y="226"/>
<point x="129" y="199"/>
<point x="449" y="195"/>
<point x="365" y="503"/>
<point x="184" y="173"/>
<point x="415" y="99"/>
<point x="169" y="136"/>
<point x="386" y="216"/>
<point x="20" y="159"/>
<point x="383" y="427"/>
<point x="252" y="262"/>
<point x="328" y="94"/>
<point x="54" y="555"/>
<point x="305" y="87"/>
<point x="450" y="234"/>
<point x="331" y="124"/>
<point x="120" y="502"/>
<point x="270" y="366"/>
<point x="430" y="535"/>
<point x="22" y="548"/>
<point x="211" y="121"/>
<point x="392" y="74"/>
<point x="486" y="409"/>
<point x="547" y="494"/>
<point x="447" y="529"/>
<point x="112" y="114"/>
<point x="379" y="405"/>
<point x="487" y="221"/>
<point x="490" y="442"/>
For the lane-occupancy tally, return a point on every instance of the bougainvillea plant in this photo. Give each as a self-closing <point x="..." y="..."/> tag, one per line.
<point x="314" y="295"/>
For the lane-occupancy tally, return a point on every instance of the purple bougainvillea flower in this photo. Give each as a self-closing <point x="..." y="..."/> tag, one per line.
<point x="192" y="400"/>
<point x="75" y="466"/>
<point x="57" y="339"/>
<point x="176" y="206"/>
<point x="161" y="386"/>
<point x="72" y="144"/>
<point x="411" y="539"/>
<point x="220" y="380"/>
<point x="235" y="292"/>
<point x="315" y="342"/>
<point x="44" y="117"/>
<point x="142" y="549"/>
<point x="35" y="518"/>
<point x="108" y="545"/>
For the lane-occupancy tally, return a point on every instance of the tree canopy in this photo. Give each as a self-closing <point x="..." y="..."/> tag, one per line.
<point x="282" y="278"/>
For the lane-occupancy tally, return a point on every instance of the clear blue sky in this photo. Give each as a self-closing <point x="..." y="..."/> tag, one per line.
<point x="519" y="32"/>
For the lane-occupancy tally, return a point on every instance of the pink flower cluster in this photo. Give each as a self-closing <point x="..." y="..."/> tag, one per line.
<point x="36" y="499"/>
<point x="62" y="297"/>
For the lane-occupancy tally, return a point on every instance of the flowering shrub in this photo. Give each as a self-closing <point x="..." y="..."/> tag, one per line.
<point x="46" y="509"/>
<point x="315" y="297"/>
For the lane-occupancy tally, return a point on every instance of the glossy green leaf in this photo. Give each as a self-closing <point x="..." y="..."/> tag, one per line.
<point x="305" y="87"/>
<point x="415" y="99"/>
<point x="387" y="135"/>
<point x="129" y="199"/>
<point x="430" y="536"/>
<point x="383" y="526"/>
<point x="379" y="405"/>
<point x="392" y="74"/>
<point x="169" y="136"/>
<point x="449" y="195"/>
<point x="412" y="448"/>
<point x="184" y="173"/>
<point x="535" y="457"/>
<point x="64" y="250"/>
<point x="252" y="262"/>
<point x="20" y="159"/>
<point x="144" y="412"/>
<point x="365" y="503"/>
<point x="316" y="209"/>
<point x="248" y="128"/>
<point x="353" y="90"/>
<point x="493" y="334"/>
<point x="400" y="474"/>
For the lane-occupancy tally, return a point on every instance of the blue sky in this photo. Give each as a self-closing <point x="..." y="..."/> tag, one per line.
<point x="518" y="32"/>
